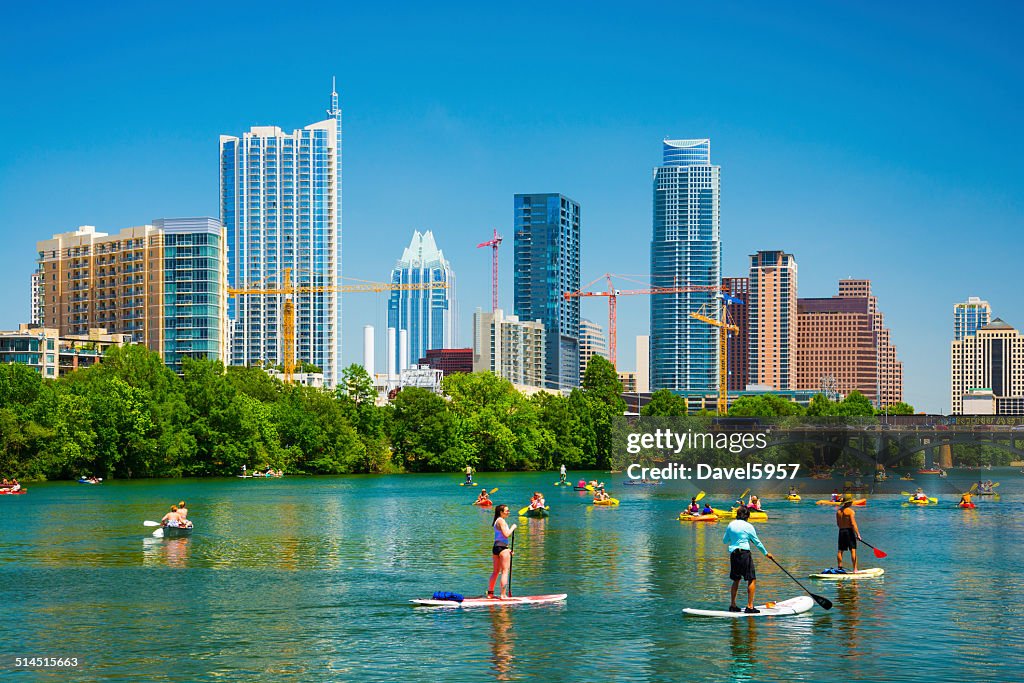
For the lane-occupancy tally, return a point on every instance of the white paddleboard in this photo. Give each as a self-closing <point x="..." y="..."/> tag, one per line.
<point x="493" y="602"/>
<point x="861" y="574"/>
<point x="785" y="608"/>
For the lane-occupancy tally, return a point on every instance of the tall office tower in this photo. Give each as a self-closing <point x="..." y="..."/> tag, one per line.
<point x="686" y="249"/>
<point x="738" y="345"/>
<point x="164" y="284"/>
<point x="509" y="348"/>
<point x="970" y="316"/>
<point x="845" y="337"/>
<point x="592" y="342"/>
<point x="547" y="264"/>
<point x="35" y="312"/>
<point x="989" y="362"/>
<point x="281" y="205"/>
<point x="772" y="319"/>
<point x="429" y="316"/>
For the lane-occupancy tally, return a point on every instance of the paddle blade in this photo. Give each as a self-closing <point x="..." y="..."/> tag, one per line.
<point x="743" y="495"/>
<point x="523" y="511"/>
<point x="823" y="601"/>
<point x="159" y="533"/>
<point x="494" y="490"/>
<point x="880" y="554"/>
<point x="149" y="522"/>
<point x="906" y="493"/>
<point x="700" y="495"/>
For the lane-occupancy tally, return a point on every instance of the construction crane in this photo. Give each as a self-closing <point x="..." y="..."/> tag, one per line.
<point x="493" y="244"/>
<point x="289" y="289"/>
<point x="724" y="328"/>
<point x="613" y="294"/>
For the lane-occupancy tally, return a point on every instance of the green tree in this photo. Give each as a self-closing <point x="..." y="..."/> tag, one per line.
<point x="664" y="403"/>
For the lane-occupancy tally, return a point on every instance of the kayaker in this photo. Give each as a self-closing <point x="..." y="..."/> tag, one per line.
<point x="707" y="510"/>
<point x="501" y="554"/>
<point x="483" y="497"/>
<point x="694" y="509"/>
<point x="836" y="496"/>
<point x="582" y="484"/>
<point x="793" y="491"/>
<point x="754" y="503"/>
<point x="965" y="500"/>
<point x="469" y="474"/>
<point x="738" y="537"/>
<point x="919" y="495"/>
<point x="561" y="473"/>
<point x="537" y="502"/>
<point x="849" y="534"/>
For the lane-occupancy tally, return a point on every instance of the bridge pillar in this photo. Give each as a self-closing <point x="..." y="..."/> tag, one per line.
<point x="945" y="456"/>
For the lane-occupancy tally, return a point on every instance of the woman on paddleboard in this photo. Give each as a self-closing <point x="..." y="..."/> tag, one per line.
<point x="849" y="534"/>
<point x="738" y="536"/>
<point x="501" y="554"/>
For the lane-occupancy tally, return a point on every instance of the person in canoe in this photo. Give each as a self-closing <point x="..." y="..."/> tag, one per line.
<point x="183" y="511"/>
<point x="849" y="534"/>
<point x="694" y="508"/>
<point x="172" y="518"/>
<point x="537" y="502"/>
<point x="562" y="474"/>
<point x="469" y="474"/>
<point x="501" y="554"/>
<point x="483" y="499"/>
<point x="738" y="536"/>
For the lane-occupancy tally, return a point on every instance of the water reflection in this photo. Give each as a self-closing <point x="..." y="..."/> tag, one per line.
<point x="168" y="552"/>
<point x="502" y="644"/>
<point x="743" y="642"/>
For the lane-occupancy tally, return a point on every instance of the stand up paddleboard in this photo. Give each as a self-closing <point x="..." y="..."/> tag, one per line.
<point x="785" y="608"/>
<point x="493" y="602"/>
<point x="861" y="574"/>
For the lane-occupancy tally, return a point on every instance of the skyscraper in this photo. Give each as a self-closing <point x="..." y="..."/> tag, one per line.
<point x="429" y="316"/>
<point x="686" y="250"/>
<point x="970" y="316"/>
<point x="990" y="361"/>
<point x="509" y="347"/>
<point x="738" y="344"/>
<point x="547" y="264"/>
<point x="771" y="310"/>
<point x="593" y="341"/>
<point x="281" y="206"/>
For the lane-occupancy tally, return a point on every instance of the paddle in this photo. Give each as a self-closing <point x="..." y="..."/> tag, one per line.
<point x="494" y="490"/>
<point x="699" y="496"/>
<point x="824" y="602"/>
<point x="523" y="511"/>
<point x="511" y="551"/>
<point x="150" y="522"/>
<point x="878" y="553"/>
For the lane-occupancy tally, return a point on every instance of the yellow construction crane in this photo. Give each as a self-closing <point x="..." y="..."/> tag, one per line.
<point x="289" y="289"/>
<point x="724" y="328"/>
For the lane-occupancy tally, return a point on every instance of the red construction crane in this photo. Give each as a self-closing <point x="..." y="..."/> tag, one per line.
<point x="493" y="244"/>
<point x="613" y="295"/>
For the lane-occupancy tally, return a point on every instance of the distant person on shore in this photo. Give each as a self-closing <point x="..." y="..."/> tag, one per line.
<point x="849" y="534"/>
<point x="562" y="474"/>
<point x="469" y="474"/>
<point x="738" y="536"/>
<point x="501" y="553"/>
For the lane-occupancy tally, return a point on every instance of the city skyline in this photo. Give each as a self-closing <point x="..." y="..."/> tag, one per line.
<point x="842" y="165"/>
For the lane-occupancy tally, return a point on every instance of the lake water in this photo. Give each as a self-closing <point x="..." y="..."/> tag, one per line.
<point x="308" y="579"/>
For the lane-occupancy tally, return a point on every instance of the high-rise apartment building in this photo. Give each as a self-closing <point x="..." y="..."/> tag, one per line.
<point x="593" y="341"/>
<point x="771" y="310"/>
<point x="686" y="250"/>
<point x="430" y="317"/>
<point x="738" y="344"/>
<point x="35" y="305"/>
<point x="970" y="316"/>
<point x="844" y="337"/>
<point x="509" y="347"/>
<point x="547" y="264"/>
<point x="990" y="361"/>
<point x="164" y="284"/>
<point x="281" y="206"/>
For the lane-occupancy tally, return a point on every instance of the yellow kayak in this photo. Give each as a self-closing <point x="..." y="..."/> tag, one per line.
<point x="915" y="501"/>
<point x="687" y="517"/>
<point x="793" y="497"/>
<point x="610" y="501"/>
<point x="859" y="502"/>
<point x="755" y="515"/>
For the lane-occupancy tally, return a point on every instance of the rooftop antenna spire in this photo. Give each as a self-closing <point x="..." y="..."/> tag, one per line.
<point x="334" y="111"/>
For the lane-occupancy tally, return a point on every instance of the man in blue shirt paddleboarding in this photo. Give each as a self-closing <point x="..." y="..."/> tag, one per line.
<point x="738" y="536"/>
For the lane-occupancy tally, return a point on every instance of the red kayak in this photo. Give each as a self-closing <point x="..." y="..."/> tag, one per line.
<point x="967" y="506"/>
<point x="8" y="492"/>
<point x="485" y="504"/>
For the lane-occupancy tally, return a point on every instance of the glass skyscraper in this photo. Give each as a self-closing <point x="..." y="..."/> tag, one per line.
<point x="970" y="316"/>
<point x="195" y="297"/>
<point x="281" y="207"/>
<point x="547" y="263"/>
<point x="430" y="317"/>
<point x="686" y="250"/>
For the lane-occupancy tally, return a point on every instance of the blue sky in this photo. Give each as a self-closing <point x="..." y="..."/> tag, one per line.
<point x="877" y="140"/>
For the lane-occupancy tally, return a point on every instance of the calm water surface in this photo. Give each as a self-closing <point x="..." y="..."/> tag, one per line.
<point x="308" y="579"/>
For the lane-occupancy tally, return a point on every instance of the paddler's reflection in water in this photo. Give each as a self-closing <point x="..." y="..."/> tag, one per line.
<point x="847" y="596"/>
<point x="501" y="643"/>
<point x="743" y="641"/>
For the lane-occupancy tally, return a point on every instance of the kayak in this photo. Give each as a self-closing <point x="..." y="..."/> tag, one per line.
<point x="539" y="512"/>
<point x="86" y="481"/>
<point x="470" y="484"/>
<point x="785" y="608"/>
<point x="8" y="492"/>
<point x="793" y="497"/>
<point x="859" y="502"/>
<point x="610" y="501"/>
<point x="687" y="517"/>
<point x="931" y="471"/>
<point x="915" y="501"/>
<point x="492" y="602"/>
<point x="966" y="506"/>
<point x="832" y="575"/>
<point x="634" y="482"/>
<point x="755" y="515"/>
<point x="485" y="504"/>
